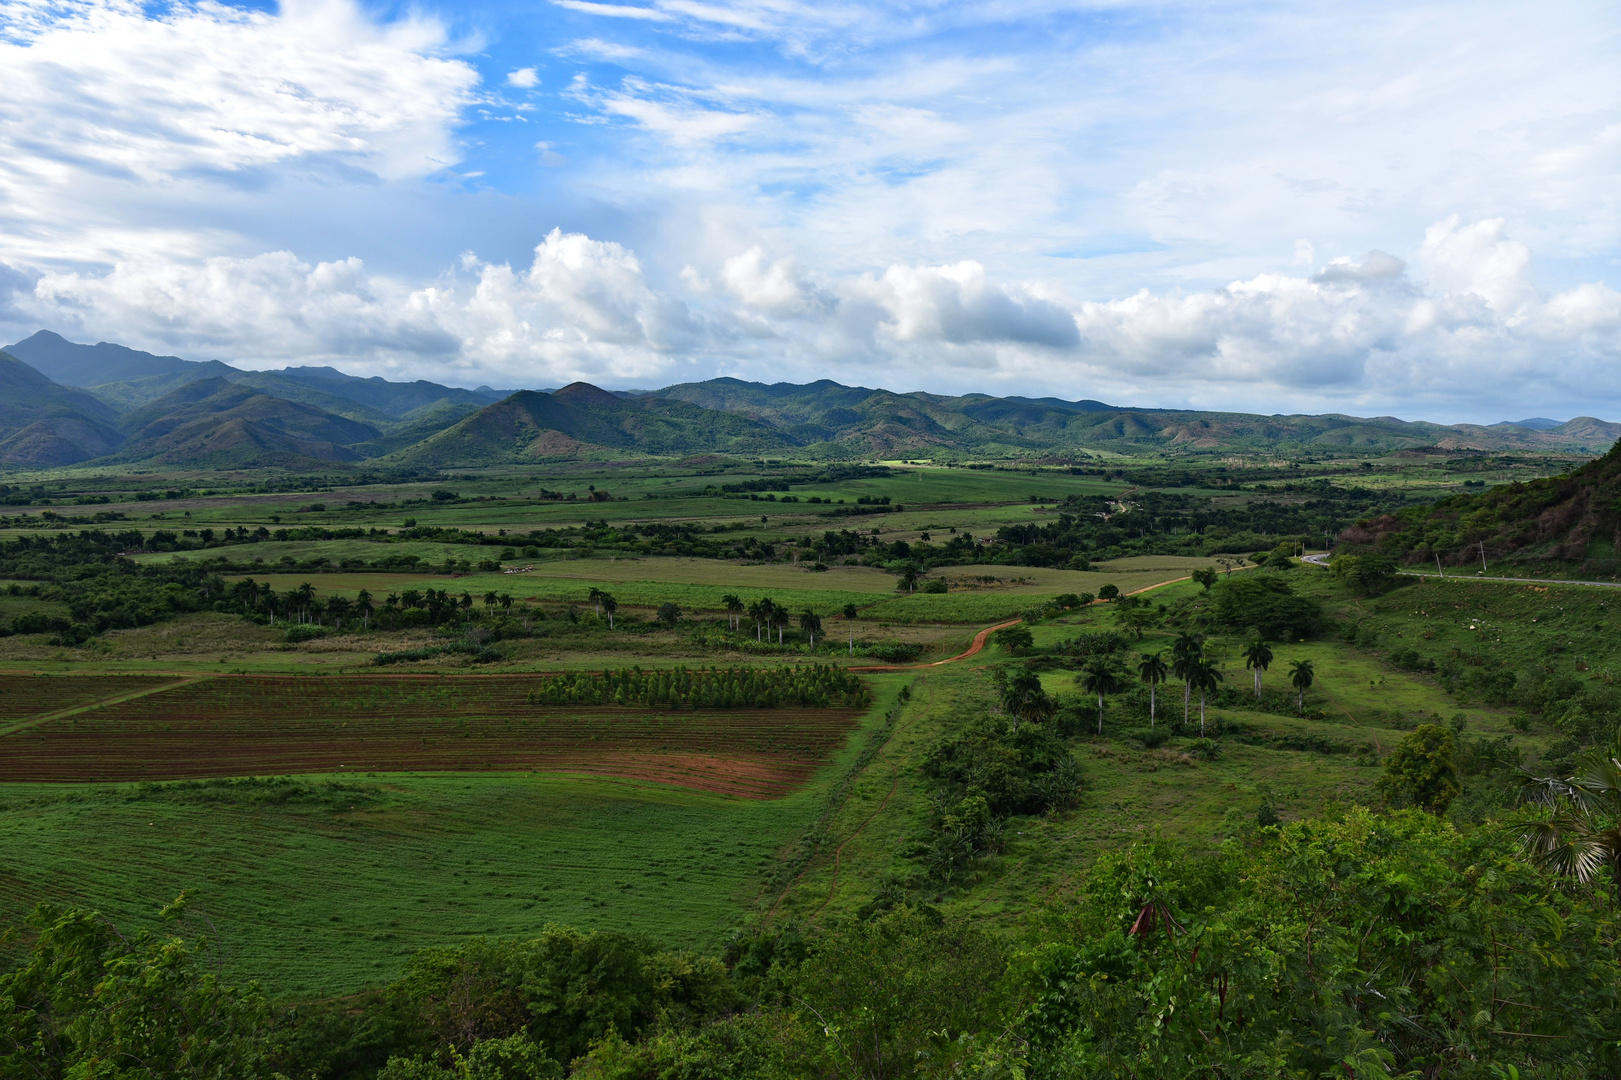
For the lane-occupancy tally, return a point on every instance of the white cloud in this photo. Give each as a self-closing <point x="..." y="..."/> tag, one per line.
<point x="581" y="309"/>
<point x="105" y="100"/>
<point x="523" y="78"/>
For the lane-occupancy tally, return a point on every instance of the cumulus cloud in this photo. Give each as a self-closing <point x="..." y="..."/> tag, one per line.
<point x="523" y="78"/>
<point x="1464" y="323"/>
<point x="580" y="309"/>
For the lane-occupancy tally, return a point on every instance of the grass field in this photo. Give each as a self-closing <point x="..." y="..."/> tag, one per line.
<point x="379" y="810"/>
<point x="323" y="885"/>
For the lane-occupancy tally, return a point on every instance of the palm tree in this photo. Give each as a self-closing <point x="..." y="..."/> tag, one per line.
<point x="1581" y="836"/>
<point x="1301" y="676"/>
<point x="1207" y="677"/>
<point x="1257" y="657"/>
<point x="850" y="613"/>
<point x="490" y="600"/>
<point x="338" y="608"/>
<point x="1100" y="679"/>
<point x="909" y="579"/>
<point x="609" y="605"/>
<point x="1152" y="670"/>
<point x="364" y="608"/>
<point x="734" y="610"/>
<point x="760" y="612"/>
<point x="1186" y="654"/>
<point x="506" y="601"/>
<point x="595" y="597"/>
<point x="780" y="619"/>
<point x="811" y="623"/>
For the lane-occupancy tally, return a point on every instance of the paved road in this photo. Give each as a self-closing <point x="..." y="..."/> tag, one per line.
<point x="1322" y="560"/>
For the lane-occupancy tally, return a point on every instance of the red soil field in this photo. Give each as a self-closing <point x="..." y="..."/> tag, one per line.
<point x="256" y="726"/>
<point x="22" y="696"/>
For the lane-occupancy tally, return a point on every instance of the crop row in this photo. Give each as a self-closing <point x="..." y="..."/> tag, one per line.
<point x="753" y="754"/>
<point x="35" y="695"/>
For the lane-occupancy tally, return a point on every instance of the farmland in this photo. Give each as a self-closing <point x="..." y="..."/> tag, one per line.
<point x="246" y="726"/>
<point x="338" y="791"/>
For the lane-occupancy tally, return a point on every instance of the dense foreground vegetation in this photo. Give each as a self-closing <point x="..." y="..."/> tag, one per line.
<point x="1353" y="944"/>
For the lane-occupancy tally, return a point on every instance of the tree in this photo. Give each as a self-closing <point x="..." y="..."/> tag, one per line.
<point x="1301" y="676"/>
<point x="1370" y="573"/>
<point x="506" y="602"/>
<point x="364" y="608"/>
<point x="811" y="623"/>
<point x="338" y="607"/>
<point x="1152" y="670"/>
<point x="908" y="580"/>
<point x="850" y="613"/>
<point x="607" y="604"/>
<point x="490" y="600"/>
<point x="595" y="597"/>
<point x="1024" y="698"/>
<point x="1420" y="772"/>
<point x="1258" y="657"/>
<point x="668" y="614"/>
<point x="1109" y="592"/>
<point x="1206" y="678"/>
<point x="1206" y="576"/>
<point x="1580" y="837"/>
<point x="780" y="620"/>
<point x="734" y="610"/>
<point x="1136" y="618"/>
<point x="1100" y="679"/>
<point x="91" y="1002"/>
<point x="1186" y="652"/>
<point x="1014" y="638"/>
<point x="760" y="612"/>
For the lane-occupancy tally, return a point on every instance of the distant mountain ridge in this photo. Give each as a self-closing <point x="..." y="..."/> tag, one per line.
<point x="210" y="415"/>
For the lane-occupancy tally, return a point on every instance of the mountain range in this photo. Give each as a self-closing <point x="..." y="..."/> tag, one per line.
<point x="63" y="403"/>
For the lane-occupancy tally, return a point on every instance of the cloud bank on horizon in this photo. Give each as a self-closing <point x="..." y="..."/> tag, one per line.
<point x="1266" y="207"/>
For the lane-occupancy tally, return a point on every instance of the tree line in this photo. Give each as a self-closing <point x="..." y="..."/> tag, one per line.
<point x="820" y="686"/>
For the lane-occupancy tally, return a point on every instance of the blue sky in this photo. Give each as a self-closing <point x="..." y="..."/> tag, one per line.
<point x="1372" y="207"/>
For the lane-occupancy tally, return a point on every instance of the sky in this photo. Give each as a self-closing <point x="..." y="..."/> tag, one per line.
<point x="1381" y="208"/>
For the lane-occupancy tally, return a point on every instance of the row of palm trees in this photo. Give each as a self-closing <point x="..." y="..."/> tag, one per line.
<point x="768" y="615"/>
<point x="1196" y="671"/>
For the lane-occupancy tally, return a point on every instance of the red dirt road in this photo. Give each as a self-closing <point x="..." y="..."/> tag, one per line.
<point x="974" y="647"/>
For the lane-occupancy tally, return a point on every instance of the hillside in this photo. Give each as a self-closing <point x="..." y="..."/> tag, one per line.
<point x="861" y="422"/>
<point x="126" y="378"/>
<point x="582" y="419"/>
<point x="43" y="424"/>
<point x="214" y="423"/>
<point x="1571" y="521"/>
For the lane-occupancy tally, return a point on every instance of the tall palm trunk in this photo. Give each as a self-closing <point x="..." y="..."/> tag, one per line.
<point x="1150" y="706"/>
<point x="1100" y="714"/>
<point x="1187" y="699"/>
<point x="1201" y="712"/>
<point x="1257" y="684"/>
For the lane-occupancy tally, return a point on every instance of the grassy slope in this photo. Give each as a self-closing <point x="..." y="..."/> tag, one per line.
<point x="314" y="898"/>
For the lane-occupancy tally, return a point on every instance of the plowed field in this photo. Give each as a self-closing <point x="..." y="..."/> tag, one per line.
<point x="23" y="696"/>
<point x="243" y="726"/>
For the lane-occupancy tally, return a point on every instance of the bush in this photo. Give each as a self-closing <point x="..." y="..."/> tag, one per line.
<point x="935" y="585"/>
<point x="304" y="632"/>
<point x="1421" y="771"/>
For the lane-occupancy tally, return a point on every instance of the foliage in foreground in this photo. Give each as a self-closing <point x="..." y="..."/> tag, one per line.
<point x="1356" y="944"/>
<point x="807" y="686"/>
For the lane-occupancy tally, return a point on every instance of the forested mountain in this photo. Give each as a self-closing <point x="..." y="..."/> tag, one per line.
<point x="44" y="422"/>
<point x="861" y="422"/>
<point x="530" y="426"/>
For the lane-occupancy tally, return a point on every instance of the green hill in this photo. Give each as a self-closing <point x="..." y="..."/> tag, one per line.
<point x="581" y="419"/>
<point x="214" y="423"/>
<point x="853" y="421"/>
